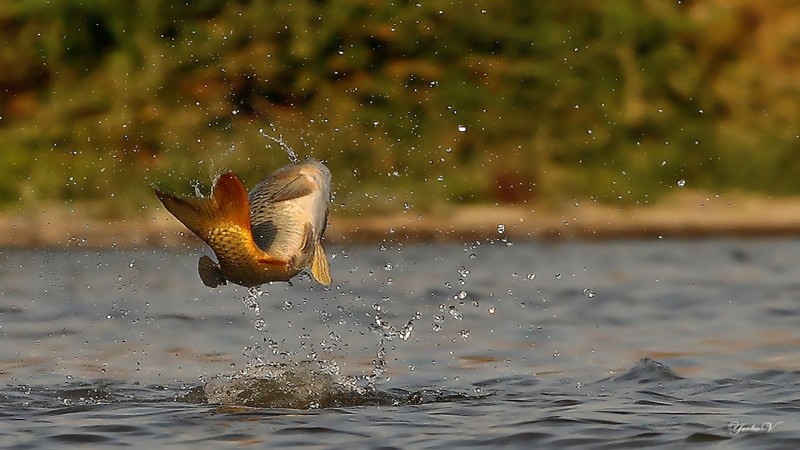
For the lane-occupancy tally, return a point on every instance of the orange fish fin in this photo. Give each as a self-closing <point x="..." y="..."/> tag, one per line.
<point x="231" y="197"/>
<point x="195" y="213"/>
<point x="271" y="260"/>
<point x="319" y="265"/>
<point x="227" y="205"/>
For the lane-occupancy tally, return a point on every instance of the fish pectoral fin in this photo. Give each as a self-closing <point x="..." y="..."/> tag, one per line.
<point x="306" y="252"/>
<point x="210" y="272"/>
<point x="271" y="260"/>
<point x="319" y="265"/>
<point x="308" y="240"/>
<point x="295" y="186"/>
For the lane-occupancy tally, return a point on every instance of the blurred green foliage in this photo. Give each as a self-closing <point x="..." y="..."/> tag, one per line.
<point x="407" y="102"/>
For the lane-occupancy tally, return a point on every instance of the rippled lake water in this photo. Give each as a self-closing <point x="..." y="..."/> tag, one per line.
<point x="596" y="344"/>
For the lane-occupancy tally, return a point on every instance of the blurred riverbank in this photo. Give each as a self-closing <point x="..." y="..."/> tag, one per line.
<point x="687" y="214"/>
<point x="434" y="102"/>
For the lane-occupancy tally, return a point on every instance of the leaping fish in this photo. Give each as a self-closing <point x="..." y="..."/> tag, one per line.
<point x="270" y="234"/>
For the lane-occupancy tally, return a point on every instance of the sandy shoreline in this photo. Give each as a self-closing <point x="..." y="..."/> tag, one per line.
<point x="689" y="215"/>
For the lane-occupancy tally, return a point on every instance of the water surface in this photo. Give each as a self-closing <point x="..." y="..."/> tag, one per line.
<point x="595" y="344"/>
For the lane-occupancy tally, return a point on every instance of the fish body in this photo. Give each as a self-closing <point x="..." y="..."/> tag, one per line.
<point x="270" y="234"/>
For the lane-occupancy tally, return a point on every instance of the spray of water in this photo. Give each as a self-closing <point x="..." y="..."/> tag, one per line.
<point x="257" y="359"/>
<point x="255" y="352"/>
<point x="386" y="332"/>
<point x="309" y="383"/>
<point x="279" y="140"/>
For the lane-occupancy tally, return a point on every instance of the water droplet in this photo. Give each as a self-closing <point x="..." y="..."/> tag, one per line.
<point x="681" y="182"/>
<point x="462" y="128"/>
<point x="387" y="267"/>
<point x="556" y="354"/>
<point x="464" y="334"/>
<point x="501" y="228"/>
<point x="492" y="310"/>
<point x="589" y="293"/>
<point x="260" y="324"/>
<point x="531" y="276"/>
<point x="464" y="272"/>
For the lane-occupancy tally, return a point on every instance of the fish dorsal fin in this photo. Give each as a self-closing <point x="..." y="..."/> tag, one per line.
<point x="230" y="196"/>
<point x="319" y="265"/>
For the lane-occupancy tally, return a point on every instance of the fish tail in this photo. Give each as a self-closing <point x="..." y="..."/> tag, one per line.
<point x="319" y="265"/>
<point x="227" y="205"/>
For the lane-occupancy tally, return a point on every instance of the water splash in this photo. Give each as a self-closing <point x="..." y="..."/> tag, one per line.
<point x="387" y="332"/>
<point x="296" y="385"/>
<point x="309" y="383"/>
<point x="255" y="353"/>
<point x="251" y="300"/>
<point x="279" y="140"/>
<point x="306" y="385"/>
<point x="197" y="190"/>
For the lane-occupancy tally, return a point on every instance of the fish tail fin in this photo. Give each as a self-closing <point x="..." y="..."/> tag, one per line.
<point x="231" y="196"/>
<point x="227" y="205"/>
<point x="319" y="265"/>
<point x="210" y="272"/>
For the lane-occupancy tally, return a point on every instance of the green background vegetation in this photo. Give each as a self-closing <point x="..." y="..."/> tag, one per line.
<point x="610" y="100"/>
